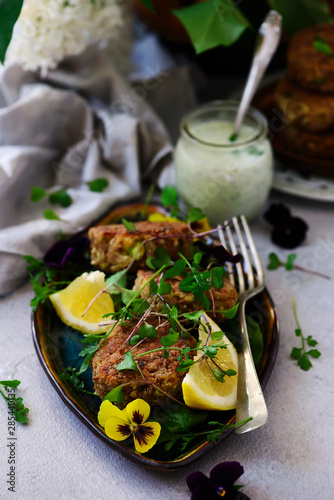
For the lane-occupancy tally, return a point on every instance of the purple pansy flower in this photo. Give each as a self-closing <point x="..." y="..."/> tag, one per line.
<point x="64" y="250"/>
<point x="288" y="231"/>
<point x="218" y="252"/>
<point x="219" y="485"/>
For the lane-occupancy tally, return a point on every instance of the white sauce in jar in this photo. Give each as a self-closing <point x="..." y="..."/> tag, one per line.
<point x="221" y="177"/>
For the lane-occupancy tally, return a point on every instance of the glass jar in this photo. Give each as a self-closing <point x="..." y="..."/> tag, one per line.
<point x="221" y="176"/>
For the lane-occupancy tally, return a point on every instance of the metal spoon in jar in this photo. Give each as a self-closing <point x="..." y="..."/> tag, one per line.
<point x="266" y="44"/>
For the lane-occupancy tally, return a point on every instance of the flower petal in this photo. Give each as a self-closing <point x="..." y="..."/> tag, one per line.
<point x="117" y="429"/>
<point x="277" y="213"/>
<point x="226" y="473"/>
<point x="64" y="250"/>
<point x="290" y="233"/>
<point x="146" y="435"/>
<point x="108" y="410"/>
<point x="196" y="479"/>
<point x="138" y="411"/>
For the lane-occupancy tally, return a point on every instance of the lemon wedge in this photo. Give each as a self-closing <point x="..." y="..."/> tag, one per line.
<point x="71" y="302"/>
<point x="200" y="388"/>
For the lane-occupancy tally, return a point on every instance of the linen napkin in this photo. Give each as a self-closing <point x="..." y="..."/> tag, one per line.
<point x="80" y="123"/>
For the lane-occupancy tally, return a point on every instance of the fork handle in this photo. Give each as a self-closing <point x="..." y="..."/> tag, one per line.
<point x="250" y="399"/>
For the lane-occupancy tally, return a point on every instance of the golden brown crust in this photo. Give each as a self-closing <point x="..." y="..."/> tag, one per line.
<point x="113" y="247"/>
<point x="310" y="111"/>
<point x="156" y="369"/>
<point x="307" y="66"/>
<point x="224" y="298"/>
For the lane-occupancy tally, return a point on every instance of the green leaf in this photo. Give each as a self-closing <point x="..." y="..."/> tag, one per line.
<point x="184" y="365"/>
<point x="212" y="23"/>
<point x="116" y="280"/>
<point x="161" y="258"/>
<point x="147" y="330"/>
<point x="219" y="375"/>
<point x="321" y="46"/>
<point x="300" y="14"/>
<point x="274" y="262"/>
<point x="61" y="197"/>
<point x="298" y="332"/>
<point x="134" y="340"/>
<point x="255" y="338"/>
<point x="51" y="215"/>
<point x="90" y="349"/>
<point x="177" y="270"/>
<point x="10" y="383"/>
<point x="314" y="353"/>
<point x="116" y="395"/>
<point x="230" y="313"/>
<point x="173" y="313"/>
<point x="140" y="306"/>
<point x="98" y="185"/>
<point x="230" y="372"/>
<point x="296" y="353"/>
<point x="304" y="363"/>
<point x="170" y="339"/>
<point x="72" y="376"/>
<point x="311" y="342"/>
<point x="194" y="214"/>
<point x="9" y="13"/>
<point x="217" y="274"/>
<point x="290" y="260"/>
<point x="20" y="411"/>
<point x="217" y="335"/>
<point x="210" y="351"/>
<point x="194" y="316"/>
<point x="169" y="196"/>
<point x="129" y="225"/>
<point x="197" y="258"/>
<point x="153" y="288"/>
<point x="37" y="194"/>
<point x="128" y="362"/>
<point x="164" y="288"/>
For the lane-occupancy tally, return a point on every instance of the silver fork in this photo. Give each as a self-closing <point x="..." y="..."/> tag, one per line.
<point x="237" y="237"/>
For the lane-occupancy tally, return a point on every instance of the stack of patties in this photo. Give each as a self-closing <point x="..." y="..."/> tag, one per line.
<point x="306" y="94"/>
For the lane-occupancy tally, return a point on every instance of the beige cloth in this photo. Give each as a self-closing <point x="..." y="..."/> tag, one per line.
<point x="81" y="123"/>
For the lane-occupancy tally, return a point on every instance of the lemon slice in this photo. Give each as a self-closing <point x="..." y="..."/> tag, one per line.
<point x="72" y="302"/>
<point x="200" y="388"/>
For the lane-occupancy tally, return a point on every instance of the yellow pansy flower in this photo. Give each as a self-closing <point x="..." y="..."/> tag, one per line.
<point x="120" y="424"/>
<point x="159" y="217"/>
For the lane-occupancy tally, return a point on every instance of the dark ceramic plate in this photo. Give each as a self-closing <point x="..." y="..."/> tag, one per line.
<point x="58" y="346"/>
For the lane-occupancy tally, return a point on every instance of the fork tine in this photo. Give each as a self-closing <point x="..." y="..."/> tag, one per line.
<point x="228" y="264"/>
<point x="245" y="253"/>
<point x="239" y="268"/>
<point x="253" y="250"/>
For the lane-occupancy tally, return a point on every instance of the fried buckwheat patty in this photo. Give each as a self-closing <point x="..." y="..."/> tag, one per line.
<point x="302" y="142"/>
<point x="224" y="298"/>
<point x="155" y="368"/>
<point x="309" y="67"/>
<point x="113" y="247"/>
<point x="307" y="110"/>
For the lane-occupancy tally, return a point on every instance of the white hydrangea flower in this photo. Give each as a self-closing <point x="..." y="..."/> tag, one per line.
<point x="49" y="30"/>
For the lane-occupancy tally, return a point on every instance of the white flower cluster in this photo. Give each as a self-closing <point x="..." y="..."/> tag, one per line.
<point x="49" y="30"/>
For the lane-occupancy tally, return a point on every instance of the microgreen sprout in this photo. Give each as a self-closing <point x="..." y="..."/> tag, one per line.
<point x="275" y="263"/>
<point x="72" y="376"/>
<point x="300" y="354"/>
<point x="15" y="405"/>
